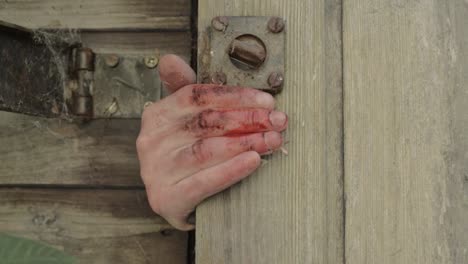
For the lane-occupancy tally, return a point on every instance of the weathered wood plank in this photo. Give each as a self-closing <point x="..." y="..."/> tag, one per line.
<point x="139" y="42"/>
<point x="98" y="15"/>
<point x="291" y="210"/>
<point x="406" y="131"/>
<point x="52" y="151"/>
<point x="96" y="226"/>
<point x="46" y="151"/>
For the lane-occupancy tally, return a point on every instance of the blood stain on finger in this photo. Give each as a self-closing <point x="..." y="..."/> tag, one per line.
<point x="245" y="128"/>
<point x="202" y="95"/>
<point x="226" y="122"/>
<point x="220" y="90"/>
<point x="206" y="121"/>
<point x="198" y="95"/>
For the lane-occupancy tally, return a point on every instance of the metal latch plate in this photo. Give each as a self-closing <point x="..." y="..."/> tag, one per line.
<point x="244" y="51"/>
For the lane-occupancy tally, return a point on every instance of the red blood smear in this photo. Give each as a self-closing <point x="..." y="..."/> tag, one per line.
<point x="248" y="129"/>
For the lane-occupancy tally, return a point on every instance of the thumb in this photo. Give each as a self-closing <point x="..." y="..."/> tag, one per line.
<point x="175" y="73"/>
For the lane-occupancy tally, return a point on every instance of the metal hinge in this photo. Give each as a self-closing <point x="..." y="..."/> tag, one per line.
<point x="42" y="73"/>
<point x="111" y="85"/>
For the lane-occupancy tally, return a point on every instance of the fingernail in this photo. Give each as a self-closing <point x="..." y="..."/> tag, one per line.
<point x="278" y="119"/>
<point x="273" y="140"/>
<point x="265" y="99"/>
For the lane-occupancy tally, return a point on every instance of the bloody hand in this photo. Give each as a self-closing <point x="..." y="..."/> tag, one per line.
<point x="202" y="139"/>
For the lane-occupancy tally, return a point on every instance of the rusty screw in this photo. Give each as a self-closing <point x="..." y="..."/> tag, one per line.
<point x="275" y="80"/>
<point x="276" y="25"/>
<point x="220" y="23"/>
<point x="112" y="60"/>
<point x="218" y="78"/>
<point x="151" y="62"/>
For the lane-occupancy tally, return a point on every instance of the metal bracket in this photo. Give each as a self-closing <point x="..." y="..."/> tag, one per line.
<point x="244" y="51"/>
<point x="111" y="85"/>
<point x="122" y="89"/>
<point x="52" y="77"/>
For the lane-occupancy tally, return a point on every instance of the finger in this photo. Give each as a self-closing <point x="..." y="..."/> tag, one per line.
<point x="204" y="96"/>
<point x="175" y="73"/>
<point x="181" y="222"/>
<point x="199" y="97"/>
<point x="205" y="153"/>
<point x="212" y="123"/>
<point x="208" y="182"/>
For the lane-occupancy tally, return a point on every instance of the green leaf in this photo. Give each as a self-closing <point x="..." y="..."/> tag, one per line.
<point x="16" y="250"/>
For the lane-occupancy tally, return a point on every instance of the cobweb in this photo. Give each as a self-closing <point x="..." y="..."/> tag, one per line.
<point x="57" y="43"/>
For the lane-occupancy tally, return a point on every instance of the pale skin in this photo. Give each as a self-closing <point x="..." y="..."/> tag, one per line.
<point x="202" y="139"/>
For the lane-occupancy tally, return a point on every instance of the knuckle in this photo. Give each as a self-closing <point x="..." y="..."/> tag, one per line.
<point x="253" y="117"/>
<point x="196" y="154"/>
<point x="202" y="121"/>
<point x="198" y="95"/>
<point x="205" y="120"/>
<point x="199" y="151"/>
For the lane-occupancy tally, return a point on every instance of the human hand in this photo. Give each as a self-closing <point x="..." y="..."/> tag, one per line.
<point x="202" y="139"/>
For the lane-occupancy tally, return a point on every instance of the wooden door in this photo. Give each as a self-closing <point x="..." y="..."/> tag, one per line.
<point x="291" y="210"/>
<point x="377" y="94"/>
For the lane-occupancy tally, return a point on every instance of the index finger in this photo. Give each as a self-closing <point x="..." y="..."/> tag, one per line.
<point x="199" y="97"/>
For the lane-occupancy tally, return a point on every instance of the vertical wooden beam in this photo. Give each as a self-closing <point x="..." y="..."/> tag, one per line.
<point x="406" y="131"/>
<point x="290" y="211"/>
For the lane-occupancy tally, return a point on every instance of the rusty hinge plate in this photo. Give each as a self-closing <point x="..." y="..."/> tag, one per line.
<point x="31" y="74"/>
<point x="111" y="85"/>
<point x="44" y="73"/>
<point x="122" y="89"/>
<point x="244" y="51"/>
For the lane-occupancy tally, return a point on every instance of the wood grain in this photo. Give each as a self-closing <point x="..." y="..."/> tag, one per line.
<point x="290" y="211"/>
<point x="406" y="127"/>
<point x="96" y="226"/>
<point x="52" y="151"/>
<point x="139" y="42"/>
<point x="98" y="15"/>
<point x="102" y="152"/>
